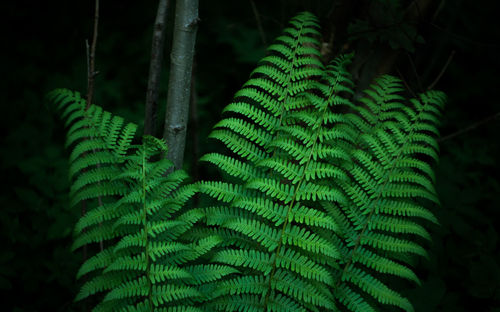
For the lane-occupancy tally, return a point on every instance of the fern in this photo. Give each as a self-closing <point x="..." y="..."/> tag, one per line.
<point x="99" y="143"/>
<point x="323" y="201"/>
<point x="146" y="263"/>
<point x="364" y="174"/>
<point x="387" y="188"/>
<point x="272" y="210"/>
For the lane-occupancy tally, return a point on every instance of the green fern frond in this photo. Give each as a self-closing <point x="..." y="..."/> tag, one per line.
<point x="135" y="214"/>
<point x="147" y="262"/>
<point x="387" y="179"/>
<point x="272" y="212"/>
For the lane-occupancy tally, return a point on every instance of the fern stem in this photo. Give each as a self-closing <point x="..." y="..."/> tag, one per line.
<point x="292" y="202"/>
<point x="282" y="112"/>
<point x="289" y="78"/>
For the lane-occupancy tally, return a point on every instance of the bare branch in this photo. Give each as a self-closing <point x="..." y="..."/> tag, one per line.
<point x="471" y="127"/>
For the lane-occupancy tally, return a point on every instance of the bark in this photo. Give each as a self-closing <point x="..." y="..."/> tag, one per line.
<point x="179" y="88"/>
<point x="150" y="120"/>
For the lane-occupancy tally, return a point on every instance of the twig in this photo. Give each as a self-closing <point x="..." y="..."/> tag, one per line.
<point x="471" y="127"/>
<point x="91" y="73"/>
<point x="155" y="67"/>
<point x="91" y="58"/>
<point x="438" y="10"/>
<point x="405" y="83"/>
<point x="414" y="69"/>
<point x="465" y="39"/>
<point x="332" y="8"/>
<point x="448" y="61"/>
<point x="259" y="22"/>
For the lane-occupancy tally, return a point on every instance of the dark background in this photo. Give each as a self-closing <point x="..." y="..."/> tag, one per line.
<point x="44" y="48"/>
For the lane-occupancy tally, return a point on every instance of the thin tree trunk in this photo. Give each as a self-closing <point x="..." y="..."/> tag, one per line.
<point x="179" y="87"/>
<point x="150" y="120"/>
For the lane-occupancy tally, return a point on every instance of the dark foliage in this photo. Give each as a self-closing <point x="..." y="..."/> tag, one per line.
<point x="46" y="49"/>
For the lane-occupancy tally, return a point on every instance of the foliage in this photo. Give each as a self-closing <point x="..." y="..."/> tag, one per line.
<point x="386" y="23"/>
<point x="268" y="228"/>
<point x="324" y="202"/>
<point x="292" y="152"/>
<point x="390" y="183"/>
<point x="133" y="211"/>
<point x="37" y="220"/>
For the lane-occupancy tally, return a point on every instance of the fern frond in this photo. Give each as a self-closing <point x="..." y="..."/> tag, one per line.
<point x="150" y="256"/>
<point x="138" y="221"/>
<point x="278" y="236"/>
<point x="98" y="142"/>
<point x="386" y="180"/>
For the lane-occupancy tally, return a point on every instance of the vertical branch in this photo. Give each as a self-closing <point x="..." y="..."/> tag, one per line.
<point x="155" y="69"/>
<point x="179" y="86"/>
<point x="259" y="23"/>
<point x="91" y="73"/>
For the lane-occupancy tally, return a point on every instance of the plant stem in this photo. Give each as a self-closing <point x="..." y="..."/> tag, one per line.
<point x="259" y="23"/>
<point x="155" y="69"/>
<point x="91" y="73"/>
<point x="179" y="87"/>
<point x="91" y="58"/>
<point x="90" y="93"/>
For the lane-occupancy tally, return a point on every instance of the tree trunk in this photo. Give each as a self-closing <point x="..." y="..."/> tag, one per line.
<point x="150" y="120"/>
<point x="179" y="88"/>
